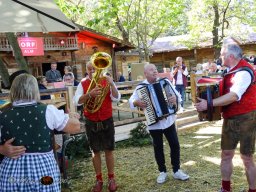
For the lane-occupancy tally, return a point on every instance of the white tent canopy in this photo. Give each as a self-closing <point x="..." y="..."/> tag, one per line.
<point x="33" y="16"/>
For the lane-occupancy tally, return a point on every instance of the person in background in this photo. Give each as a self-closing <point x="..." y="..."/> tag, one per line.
<point x="99" y="126"/>
<point x="42" y="84"/>
<point x="129" y="73"/>
<point x="213" y="68"/>
<point x="180" y="73"/>
<point x="31" y="124"/>
<point x="199" y="69"/>
<point x="238" y="104"/>
<point x="53" y="75"/>
<point x="120" y="77"/>
<point x="165" y="126"/>
<point x="67" y="69"/>
<point x="69" y="79"/>
<point x="206" y="67"/>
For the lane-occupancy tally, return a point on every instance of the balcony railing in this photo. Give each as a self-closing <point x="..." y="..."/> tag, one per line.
<point x="50" y="43"/>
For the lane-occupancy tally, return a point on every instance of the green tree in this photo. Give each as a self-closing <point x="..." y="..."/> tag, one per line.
<point x="12" y="39"/>
<point x="136" y="21"/>
<point x="4" y="73"/>
<point x="139" y="21"/>
<point x="216" y="19"/>
<point x="75" y="10"/>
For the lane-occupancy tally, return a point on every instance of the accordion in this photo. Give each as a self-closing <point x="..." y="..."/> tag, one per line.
<point x="208" y="89"/>
<point x="156" y="98"/>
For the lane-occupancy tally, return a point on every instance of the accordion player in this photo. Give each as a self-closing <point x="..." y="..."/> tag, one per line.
<point x="156" y="97"/>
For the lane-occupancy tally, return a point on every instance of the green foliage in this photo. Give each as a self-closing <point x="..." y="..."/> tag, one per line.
<point x="139" y="137"/>
<point x="79" y="147"/>
<point x="232" y="16"/>
<point x="136" y="21"/>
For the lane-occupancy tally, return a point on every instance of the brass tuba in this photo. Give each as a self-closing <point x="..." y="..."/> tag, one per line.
<point x="100" y="61"/>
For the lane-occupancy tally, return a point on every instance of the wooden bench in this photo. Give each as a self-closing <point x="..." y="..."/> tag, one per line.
<point x="125" y="93"/>
<point x="126" y="109"/>
<point x="124" y="87"/>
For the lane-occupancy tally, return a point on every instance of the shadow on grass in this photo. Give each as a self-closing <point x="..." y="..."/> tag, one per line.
<point x="136" y="170"/>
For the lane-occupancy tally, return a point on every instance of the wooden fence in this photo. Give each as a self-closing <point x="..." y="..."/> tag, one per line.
<point x="63" y="97"/>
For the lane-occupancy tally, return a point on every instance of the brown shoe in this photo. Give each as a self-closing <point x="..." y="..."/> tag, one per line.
<point x="98" y="186"/>
<point x="112" y="187"/>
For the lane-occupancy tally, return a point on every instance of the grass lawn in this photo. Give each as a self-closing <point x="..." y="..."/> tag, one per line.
<point x="136" y="170"/>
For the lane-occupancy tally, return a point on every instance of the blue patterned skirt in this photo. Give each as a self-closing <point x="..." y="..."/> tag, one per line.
<point x="30" y="172"/>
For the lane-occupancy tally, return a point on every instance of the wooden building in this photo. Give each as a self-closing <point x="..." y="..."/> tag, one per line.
<point x="166" y="49"/>
<point x="65" y="48"/>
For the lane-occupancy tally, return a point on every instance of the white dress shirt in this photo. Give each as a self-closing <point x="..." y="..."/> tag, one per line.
<point x="161" y="124"/>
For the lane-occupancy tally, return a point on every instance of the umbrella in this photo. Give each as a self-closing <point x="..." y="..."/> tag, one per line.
<point x="33" y="16"/>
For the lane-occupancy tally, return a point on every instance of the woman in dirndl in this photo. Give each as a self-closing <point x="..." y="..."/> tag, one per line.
<point x="31" y="124"/>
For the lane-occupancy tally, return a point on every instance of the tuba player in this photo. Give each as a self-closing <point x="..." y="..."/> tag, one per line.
<point x="99" y="125"/>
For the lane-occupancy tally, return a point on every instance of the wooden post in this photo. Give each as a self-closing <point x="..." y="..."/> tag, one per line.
<point x="193" y="80"/>
<point x="114" y="67"/>
<point x="70" y="103"/>
<point x="193" y="87"/>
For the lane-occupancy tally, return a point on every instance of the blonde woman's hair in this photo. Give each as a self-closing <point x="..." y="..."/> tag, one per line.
<point x="68" y="68"/>
<point x="24" y="87"/>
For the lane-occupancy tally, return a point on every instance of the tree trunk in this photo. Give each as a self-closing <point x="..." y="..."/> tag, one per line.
<point x="4" y="73"/>
<point x="146" y="51"/>
<point x="17" y="51"/>
<point x="125" y="34"/>
<point x="215" y="33"/>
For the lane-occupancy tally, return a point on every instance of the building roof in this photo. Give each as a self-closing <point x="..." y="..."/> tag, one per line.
<point x="119" y="44"/>
<point x="171" y="43"/>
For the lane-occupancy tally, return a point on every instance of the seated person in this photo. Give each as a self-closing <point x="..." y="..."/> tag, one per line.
<point x="69" y="79"/>
<point x="67" y="69"/>
<point x="42" y="83"/>
<point x="213" y="68"/>
<point x="199" y="69"/>
<point x="120" y="77"/>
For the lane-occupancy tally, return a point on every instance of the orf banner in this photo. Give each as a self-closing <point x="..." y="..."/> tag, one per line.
<point x="31" y="46"/>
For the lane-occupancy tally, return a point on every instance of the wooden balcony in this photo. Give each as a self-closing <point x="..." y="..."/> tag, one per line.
<point x="50" y="43"/>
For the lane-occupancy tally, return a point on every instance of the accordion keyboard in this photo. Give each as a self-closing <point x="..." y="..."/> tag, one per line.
<point x="149" y="110"/>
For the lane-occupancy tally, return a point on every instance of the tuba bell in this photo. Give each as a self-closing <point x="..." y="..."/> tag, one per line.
<point x="100" y="61"/>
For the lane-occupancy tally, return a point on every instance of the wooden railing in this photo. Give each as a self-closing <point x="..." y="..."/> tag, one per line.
<point x="60" y="43"/>
<point x="63" y="97"/>
<point x="126" y="89"/>
<point x="50" y="43"/>
<point x="60" y="97"/>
